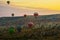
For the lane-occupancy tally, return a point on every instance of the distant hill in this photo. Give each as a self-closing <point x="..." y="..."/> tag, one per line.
<point x="21" y="20"/>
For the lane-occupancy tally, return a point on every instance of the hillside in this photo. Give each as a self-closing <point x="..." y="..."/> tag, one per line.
<point x="45" y="28"/>
<point x="21" y="20"/>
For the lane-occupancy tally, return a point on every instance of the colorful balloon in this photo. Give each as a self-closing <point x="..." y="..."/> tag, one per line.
<point x="18" y="28"/>
<point x="35" y="14"/>
<point x="30" y="24"/>
<point x="11" y="30"/>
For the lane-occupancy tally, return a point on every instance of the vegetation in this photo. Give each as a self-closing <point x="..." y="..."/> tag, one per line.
<point x="16" y="28"/>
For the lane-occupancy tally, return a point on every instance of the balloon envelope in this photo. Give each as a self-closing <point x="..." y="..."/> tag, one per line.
<point x="25" y="15"/>
<point x="35" y="14"/>
<point x="8" y="2"/>
<point x="30" y="24"/>
<point x="11" y="30"/>
<point x="18" y="28"/>
<point x="12" y="14"/>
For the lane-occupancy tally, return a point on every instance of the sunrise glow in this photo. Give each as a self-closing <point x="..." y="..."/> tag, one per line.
<point x="48" y="4"/>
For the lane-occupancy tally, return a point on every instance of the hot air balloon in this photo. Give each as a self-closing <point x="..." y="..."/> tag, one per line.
<point x="25" y="18"/>
<point x="25" y="15"/>
<point x="35" y="14"/>
<point x="11" y="30"/>
<point x="30" y="24"/>
<point x="18" y="28"/>
<point x="12" y="14"/>
<point x="8" y="2"/>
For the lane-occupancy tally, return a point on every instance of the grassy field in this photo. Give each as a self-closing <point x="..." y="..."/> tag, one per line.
<point x="41" y="30"/>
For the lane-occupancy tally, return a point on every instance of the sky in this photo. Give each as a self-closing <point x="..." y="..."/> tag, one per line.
<point x="30" y="6"/>
<point x="49" y="4"/>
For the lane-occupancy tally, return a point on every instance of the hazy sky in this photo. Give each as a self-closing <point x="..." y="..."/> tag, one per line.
<point x="44" y="6"/>
<point x="50" y="4"/>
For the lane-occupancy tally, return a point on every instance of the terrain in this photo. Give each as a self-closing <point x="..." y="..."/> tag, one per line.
<point x="46" y="27"/>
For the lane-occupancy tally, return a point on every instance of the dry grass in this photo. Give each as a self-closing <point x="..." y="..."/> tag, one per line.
<point x="47" y="31"/>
